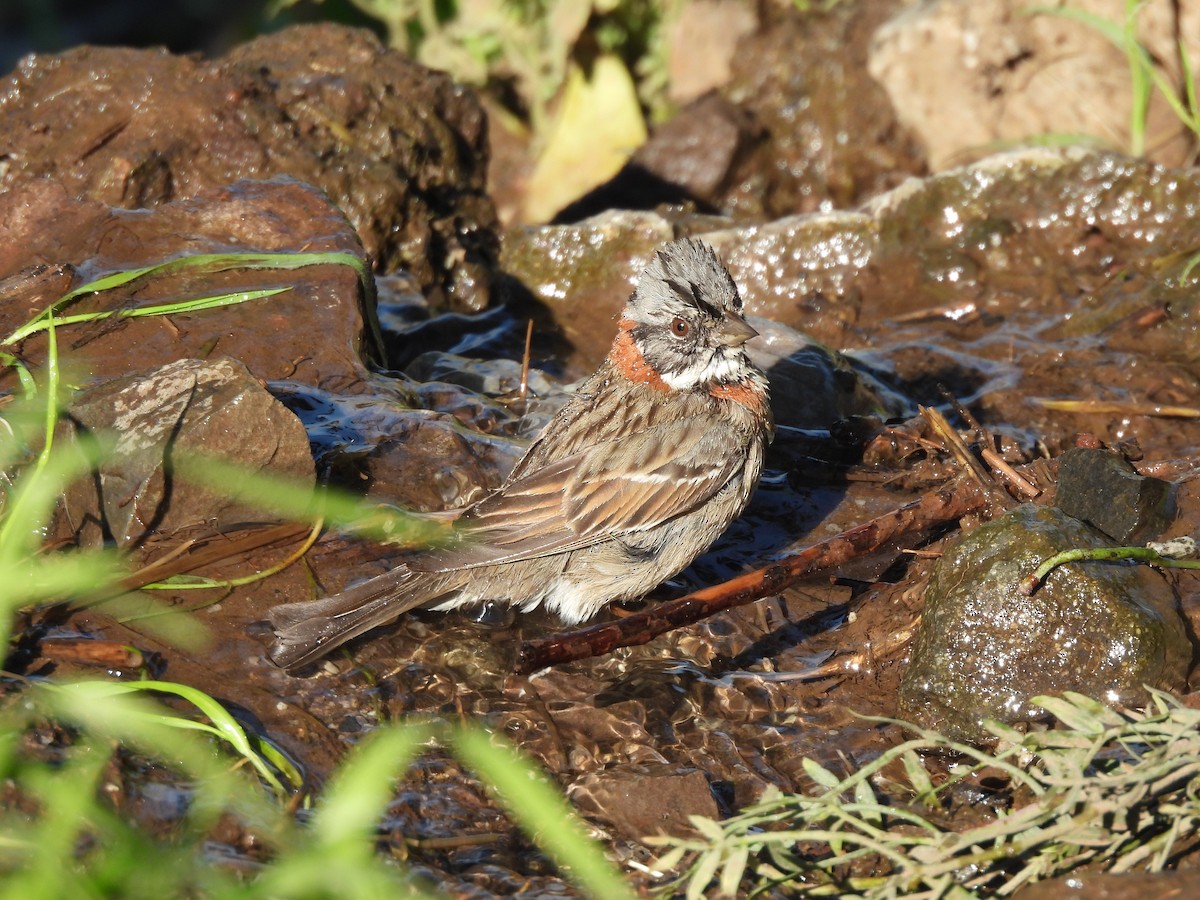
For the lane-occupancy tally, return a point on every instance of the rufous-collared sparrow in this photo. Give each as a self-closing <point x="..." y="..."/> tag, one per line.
<point x="642" y="469"/>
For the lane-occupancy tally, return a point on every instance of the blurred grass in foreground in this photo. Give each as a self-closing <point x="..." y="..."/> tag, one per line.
<point x="65" y="746"/>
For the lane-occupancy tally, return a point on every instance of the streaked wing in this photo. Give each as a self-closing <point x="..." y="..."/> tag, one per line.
<point x="626" y="485"/>
<point x="649" y="478"/>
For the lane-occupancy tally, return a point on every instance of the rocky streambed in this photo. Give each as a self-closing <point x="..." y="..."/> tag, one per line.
<point x="1050" y="292"/>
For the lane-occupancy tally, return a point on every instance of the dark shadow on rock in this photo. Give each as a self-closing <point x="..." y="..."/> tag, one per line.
<point x="690" y="161"/>
<point x="634" y="187"/>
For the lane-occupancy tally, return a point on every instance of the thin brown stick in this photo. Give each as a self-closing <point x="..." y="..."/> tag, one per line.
<point x="954" y="443"/>
<point x="84" y="651"/>
<point x="933" y="509"/>
<point x="523" y="391"/>
<point x="1011" y="476"/>
<point x="1120" y="407"/>
<point x="955" y="312"/>
<point x="987" y="441"/>
<point x="963" y="413"/>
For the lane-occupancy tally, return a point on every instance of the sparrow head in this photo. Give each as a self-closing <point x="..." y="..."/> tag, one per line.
<point x="685" y="317"/>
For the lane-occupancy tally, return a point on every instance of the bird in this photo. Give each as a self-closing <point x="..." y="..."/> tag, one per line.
<point x="642" y="469"/>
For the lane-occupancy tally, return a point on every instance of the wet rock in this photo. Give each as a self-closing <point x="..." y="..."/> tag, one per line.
<point x="1101" y="488"/>
<point x="968" y="76"/>
<point x="813" y="386"/>
<point x="424" y="447"/>
<point x="983" y="649"/>
<point x="182" y="409"/>
<point x="401" y="149"/>
<point x="702" y="148"/>
<point x="76" y="241"/>
<point x="584" y="273"/>
<point x="428" y="463"/>
<point x="1015" y="226"/>
<point x="833" y="139"/>
<point x="643" y="801"/>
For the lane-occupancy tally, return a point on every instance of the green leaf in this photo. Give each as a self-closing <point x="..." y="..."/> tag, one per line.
<point x="294" y="499"/>
<point x="918" y="777"/>
<point x="733" y="870"/>
<point x="204" y="263"/>
<point x="703" y="873"/>
<point x="708" y="828"/>
<point x="194" y="305"/>
<point x="223" y="725"/>
<point x="670" y="859"/>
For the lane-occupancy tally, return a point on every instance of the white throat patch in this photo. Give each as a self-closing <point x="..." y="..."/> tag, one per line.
<point x="724" y="367"/>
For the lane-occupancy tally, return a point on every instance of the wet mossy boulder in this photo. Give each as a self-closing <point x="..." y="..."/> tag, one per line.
<point x="1105" y="629"/>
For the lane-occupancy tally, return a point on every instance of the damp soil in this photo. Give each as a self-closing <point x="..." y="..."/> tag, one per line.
<point x="1026" y="278"/>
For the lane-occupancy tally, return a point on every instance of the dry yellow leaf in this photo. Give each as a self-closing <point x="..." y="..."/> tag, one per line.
<point x="598" y="126"/>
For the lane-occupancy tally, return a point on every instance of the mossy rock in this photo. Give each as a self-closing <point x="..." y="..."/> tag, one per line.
<point x="1105" y="629"/>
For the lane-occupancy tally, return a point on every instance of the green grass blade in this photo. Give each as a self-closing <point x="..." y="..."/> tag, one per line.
<point x="1115" y="32"/>
<point x="223" y="725"/>
<point x="541" y="811"/>
<point x="25" y="510"/>
<point x="108" y="282"/>
<point x="294" y="500"/>
<point x="28" y="385"/>
<point x="1190" y="89"/>
<point x="336" y="856"/>
<point x="206" y="263"/>
<point x="32" y="500"/>
<point x="354" y="802"/>
<point x="1123" y="36"/>
<point x="51" y="578"/>
<point x="198" y="304"/>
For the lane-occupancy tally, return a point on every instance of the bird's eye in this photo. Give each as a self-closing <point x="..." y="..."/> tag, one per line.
<point x="680" y="326"/>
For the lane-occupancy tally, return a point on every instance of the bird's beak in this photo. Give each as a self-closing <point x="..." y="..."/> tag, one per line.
<point x="734" y="330"/>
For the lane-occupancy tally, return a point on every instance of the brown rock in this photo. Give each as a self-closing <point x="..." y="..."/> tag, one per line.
<point x="401" y="149"/>
<point x="833" y="138"/>
<point x="983" y="650"/>
<point x="647" y="800"/>
<point x="179" y="410"/>
<point x="429" y="462"/>
<point x="701" y="148"/>
<point x="702" y="44"/>
<point x="313" y="331"/>
<point x="968" y="76"/>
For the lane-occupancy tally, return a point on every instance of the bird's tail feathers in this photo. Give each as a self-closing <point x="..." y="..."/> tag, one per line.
<point x="306" y="631"/>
